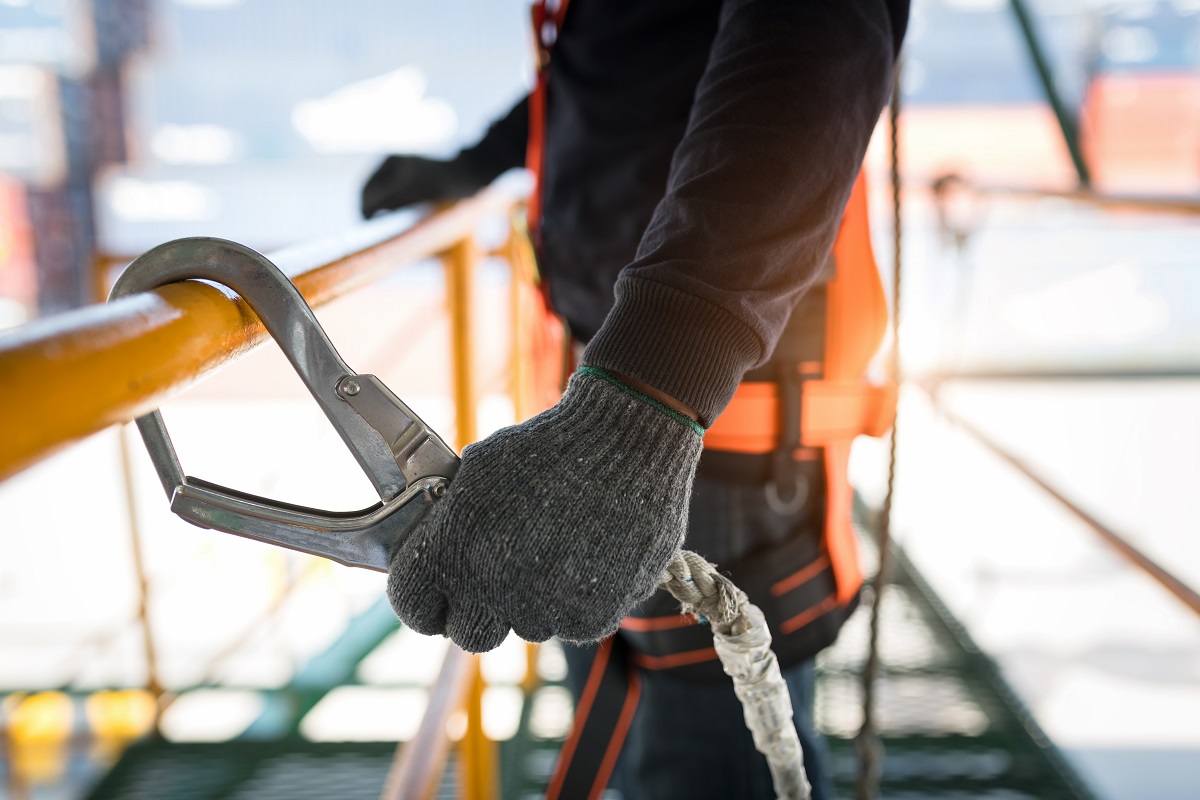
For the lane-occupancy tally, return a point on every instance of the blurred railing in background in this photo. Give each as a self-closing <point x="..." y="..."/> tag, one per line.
<point x="949" y="190"/>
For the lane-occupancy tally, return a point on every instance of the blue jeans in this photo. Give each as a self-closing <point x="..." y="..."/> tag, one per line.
<point x="688" y="738"/>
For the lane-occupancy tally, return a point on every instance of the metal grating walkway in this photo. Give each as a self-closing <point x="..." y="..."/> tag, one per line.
<point x="287" y="768"/>
<point x="950" y="725"/>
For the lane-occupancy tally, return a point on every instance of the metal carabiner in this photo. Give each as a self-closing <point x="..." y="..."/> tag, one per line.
<point x="406" y="461"/>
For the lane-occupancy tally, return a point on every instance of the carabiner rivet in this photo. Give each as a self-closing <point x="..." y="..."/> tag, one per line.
<point x="349" y="387"/>
<point x="438" y="489"/>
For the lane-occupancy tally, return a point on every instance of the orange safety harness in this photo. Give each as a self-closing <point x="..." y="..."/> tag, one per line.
<point x="841" y="404"/>
<point x="811" y="591"/>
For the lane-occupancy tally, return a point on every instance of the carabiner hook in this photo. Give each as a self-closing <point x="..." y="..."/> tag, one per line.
<point x="405" y="460"/>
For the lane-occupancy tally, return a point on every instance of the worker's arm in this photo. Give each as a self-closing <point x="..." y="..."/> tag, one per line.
<point x="758" y="184"/>
<point x="402" y="180"/>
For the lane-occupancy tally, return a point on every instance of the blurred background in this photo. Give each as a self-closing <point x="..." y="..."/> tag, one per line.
<point x="1045" y="620"/>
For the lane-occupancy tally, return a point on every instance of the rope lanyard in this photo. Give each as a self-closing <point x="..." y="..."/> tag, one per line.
<point x="868" y="744"/>
<point x="743" y="643"/>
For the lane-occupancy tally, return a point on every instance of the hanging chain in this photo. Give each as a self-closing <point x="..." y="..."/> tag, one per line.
<point x="868" y="744"/>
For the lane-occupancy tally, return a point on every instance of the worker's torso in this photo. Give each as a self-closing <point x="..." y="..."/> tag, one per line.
<point x="622" y="78"/>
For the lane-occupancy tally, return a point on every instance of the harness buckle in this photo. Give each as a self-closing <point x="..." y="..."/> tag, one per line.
<point x="406" y="461"/>
<point x="787" y="490"/>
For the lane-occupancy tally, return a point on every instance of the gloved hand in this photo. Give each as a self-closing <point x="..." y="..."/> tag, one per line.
<point x="554" y="527"/>
<point x="403" y="180"/>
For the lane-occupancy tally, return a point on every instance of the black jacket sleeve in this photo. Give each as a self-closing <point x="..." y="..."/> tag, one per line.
<point x="401" y="180"/>
<point x="777" y="133"/>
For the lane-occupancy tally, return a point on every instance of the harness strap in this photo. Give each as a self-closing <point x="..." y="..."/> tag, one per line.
<point x="856" y="324"/>
<point x="548" y="16"/>
<point x="840" y="404"/>
<point x="829" y="411"/>
<point x="795" y="585"/>
<point x="602" y="719"/>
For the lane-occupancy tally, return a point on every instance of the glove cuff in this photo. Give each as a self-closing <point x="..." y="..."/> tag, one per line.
<point x="682" y="419"/>
<point x="681" y="344"/>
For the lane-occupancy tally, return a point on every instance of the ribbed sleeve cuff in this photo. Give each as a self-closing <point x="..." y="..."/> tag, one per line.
<point x="679" y="343"/>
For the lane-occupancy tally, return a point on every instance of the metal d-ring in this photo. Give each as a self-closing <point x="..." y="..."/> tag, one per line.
<point x="792" y="505"/>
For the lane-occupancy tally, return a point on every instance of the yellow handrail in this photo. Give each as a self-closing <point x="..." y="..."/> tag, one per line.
<point x="66" y="377"/>
<point x="71" y="375"/>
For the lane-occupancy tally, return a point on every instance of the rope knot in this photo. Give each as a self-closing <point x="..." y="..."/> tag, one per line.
<point x="703" y="592"/>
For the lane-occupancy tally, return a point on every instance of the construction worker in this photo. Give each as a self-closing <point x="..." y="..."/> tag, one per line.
<point x="693" y="161"/>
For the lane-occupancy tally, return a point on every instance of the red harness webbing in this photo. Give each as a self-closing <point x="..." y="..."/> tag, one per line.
<point x="547" y="22"/>
<point x="602" y="718"/>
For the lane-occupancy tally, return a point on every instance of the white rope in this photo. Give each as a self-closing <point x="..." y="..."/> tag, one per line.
<point x="743" y="644"/>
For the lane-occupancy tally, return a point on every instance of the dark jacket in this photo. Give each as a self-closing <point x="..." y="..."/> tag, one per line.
<point x="699" y="154"/>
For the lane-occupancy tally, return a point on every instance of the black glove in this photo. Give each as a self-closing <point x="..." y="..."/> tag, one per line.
<point x="557" y="526"/>
<point x="403" y="180"/>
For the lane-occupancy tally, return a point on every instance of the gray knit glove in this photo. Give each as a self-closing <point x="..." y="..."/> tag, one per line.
<point x="554" y="527"/>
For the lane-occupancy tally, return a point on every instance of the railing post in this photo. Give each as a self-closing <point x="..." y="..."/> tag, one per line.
<point x="532" y="679"/>
<point x="520" y="261"/>
<point x="417" y="768"/>
<point x="153" y="682"/>
<point x="460" y="261"/>
<point x="477" y="757"/>
<point x="520" y="374"/>
<point x="479" y="777"/>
